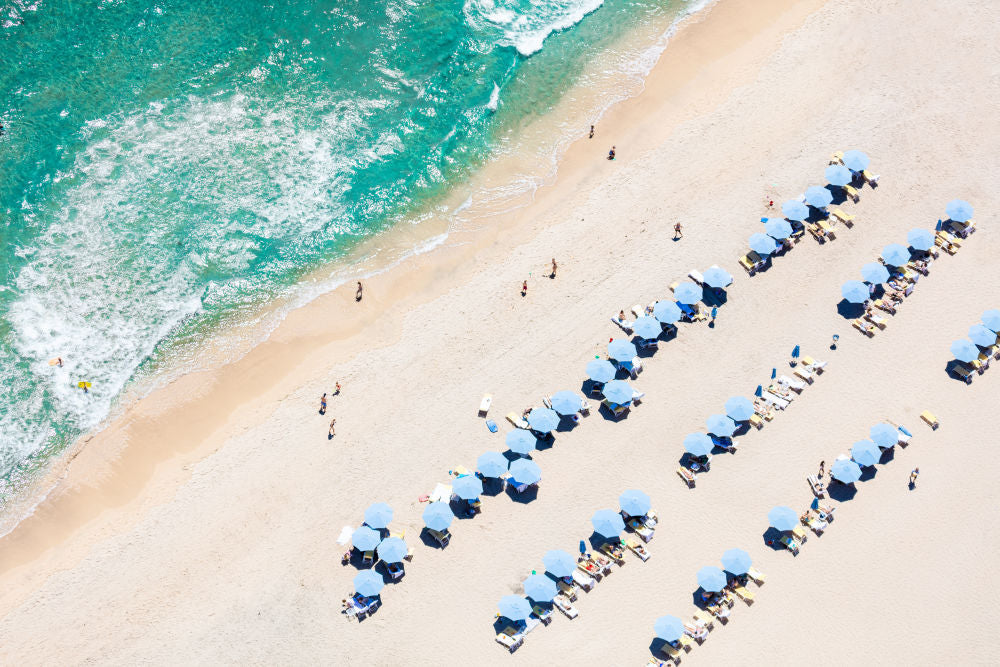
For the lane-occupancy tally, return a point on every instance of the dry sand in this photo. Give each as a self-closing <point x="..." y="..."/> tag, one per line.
<point x="202" y="526"/>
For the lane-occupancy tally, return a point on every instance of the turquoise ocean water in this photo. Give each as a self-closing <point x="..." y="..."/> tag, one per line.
<point x="170" y="165"/>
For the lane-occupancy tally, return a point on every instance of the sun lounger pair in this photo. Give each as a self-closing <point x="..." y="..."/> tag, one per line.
<point x="544" y="614"/>
<point x="781" y="391"/>
<point x="800" y="534"/>
<point x="703" y="620"/>
<point x="761" y="408"/>
<point x="566" y="589"/>
<point x="961" y="229"/>
<point x="803" y="372"/>
<point x="796" y="385"/>
<point x="852" y="193"/>
<point x="867" y="328"/>
<point x="442" y="537"/>
<point x="752" y="262"/>
<point x="591" y="568"/>
<point x="817" y="486"/>
<point x="776" y="401"/>
<point x="814" y="523"/>
<point x="686" y="475"/>
<point x="697" y="632"/>
<point x="756" y="421"/>
<point x="877" y="320"/>
<point x="637" y="548"/>
<point x="674" y="654"/>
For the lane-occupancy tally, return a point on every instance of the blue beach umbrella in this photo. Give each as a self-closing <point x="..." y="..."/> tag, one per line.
<point x="818" y="196"/>
<point x="712" y="579"/>
<point x="365" y="539"/>
<point x="778" y="228"/>
<point x="762" y="244"/>
<point x="874" y="273"/>
<point x="688" y="293"/>
<point x="796" y="352"/>
<point x="838" y="174"/>
<point x="618" y="392"/>
<point x="540" y="588"/>
<point x="567" y="402"/>
<point x="884" y="435"/>
<point x="621" y="350"/>
<point x="669" y="628"/>
<point x="467" y="487"/>
<point x="720" y="425"/>
<point x="736" y="561"/>
<point x="854" y="291"/>
<point x="739" y="408"/>
<point x="698" y="444"/>
<point x="959" y="210"/>
<point x="964" y="350"/>
<point x="716" y="277"/>
<point x="981" y="335"/>
<point x="856" y="160"/>
<point x="865" y="453"/>
<point x="759" y="391"/>
<point x="607" y="523"/>
<point x="368" y="583"/>
<point x="521" y="441"/>
<point x="378" y="515"/>
<point x="393" y="549"/>
<point x="991" y="318"/>
<point x="896" y="254"/>
<point x="634" y="502"/>
<point x="514" y="607"/>
<point x="920" y="239"/>
<point x="793" y="209"/>
<point x="783" y="518"/>
<point x="543" y="420"/>
<point x="666" y="312"/>
<point x="438" y="516"/>
<point x="846" y="471"/>
<point x="647" y="327"/>
<point x="525" y="471"/>
<point x="601" y="370"/>
<point x="491" y="464"/>
<point x="559" y="563"/>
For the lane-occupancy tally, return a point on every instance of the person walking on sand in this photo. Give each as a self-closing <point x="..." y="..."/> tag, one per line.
<point x="913" y="477"/>
<point x="715" y="313"/>
<point x="591" y="131"/>
<point x="333" y="432"/>
<point x="322" y="404"/>
<point x="357" y="297"/>
<point x="336" y="389"/>
<point x="554" y="267"/>
<point x="524" y="288"/>
<point x="611" y="153"/>
<point x="677" y="231"/>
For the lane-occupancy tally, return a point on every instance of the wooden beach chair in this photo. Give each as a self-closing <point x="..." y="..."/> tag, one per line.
<point x="743" y="593"/>
<point x="963" y="372"/>
<point x="687" y="476"/>
<point x="758" y="576"/>
<point x="516" y="420"/>
<point x="637" y="548"/>
<point x="867" y="328"/>
<point x="837" y="158"/>
<point x="756" y="421"/>
<point x="561" y="603"/>
<point x="704" y="619"/>
<point x="845" y="218"/>
<point x="852" y="193"/>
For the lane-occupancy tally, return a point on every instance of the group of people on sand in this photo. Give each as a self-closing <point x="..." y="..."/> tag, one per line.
<point x="322" y="407"/>
<point x="552" y="275"/>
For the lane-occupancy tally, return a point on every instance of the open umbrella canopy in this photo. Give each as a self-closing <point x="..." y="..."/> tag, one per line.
<point x="874" y="273"/>
<point x="959" y="210"/>
<point x="559" y="563"/>
<point x="365" y="539"/>
<point x="698" y="444"/>
<point x="777" y="228"/>
<point x="688" y="293"/>
<point x="865" y="453"/>
<point x="981" y="335"/>
<point x="712" y="579"/>
<point x="634" y="502"/>
<point x="618" y="392"/>
<point x="669" y="628"/>
<point x="666" y="312"/>
<point x="378" y="515"/>
<point x="818" y="196"/>
<point x="793" y="209"/>
<point x="601" y="370"/>
<point x="920" y="239"/>
<point x="525" y="471"/>
<point x="856" y="160"/>
<point x="393" y="549"/>
<point x="783" y="518"/>
<point x="647" y="327"/>
<point x="368" y="583"/>
<point x="491" y="464"/>
<point x="540" y="588"/>
<point x="567" y="402"/>
<point x="543" y="420"/>
<point x="896" y="254"/>
<point x="720" y="425"/>
<point x="736" y="561"/>
<point x="620" y="349"/>
<point x="884" y="435"/>
<point x="607" y="523"/>
<point x="846" y="471"/>
<point x="739" y="408"/>
<point x="514" y="607"/>
<point x="716" y="277"/>
<point x="964" y="350"/>
<point x="991" y="318"/>
<point x="467" y="487"/>
<point x="838" y="174"/>
<point x="854" y="291"/>
<point x="521" y="441"/>
<point x="438" y="516"/>
<point x="762" y="244"/>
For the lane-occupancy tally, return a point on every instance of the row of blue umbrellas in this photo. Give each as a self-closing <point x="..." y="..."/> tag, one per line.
<point x="737" y="408"/>
<point x="713" y="580"/>
<point x="494" y="464"/>
<point x="983" y="335"/>
<point x="894" y="254"/>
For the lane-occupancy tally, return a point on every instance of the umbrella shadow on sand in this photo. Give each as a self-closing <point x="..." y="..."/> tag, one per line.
<point x="523" y="497"/>
<point x="771" y="537"/>
<point x="492" y="486"/>
<point x="951" y="368"/>
<point x="611" y="416"/>
<point x="868" y="473"/>
<point x="841" y="492"/>
<point x="850" y="311"/>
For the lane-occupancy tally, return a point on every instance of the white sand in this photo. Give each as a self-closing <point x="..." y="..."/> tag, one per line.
<point x="236" y="561"/>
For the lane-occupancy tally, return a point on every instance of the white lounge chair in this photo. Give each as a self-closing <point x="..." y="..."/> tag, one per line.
<point x="797" y="385"/>
<point x="563" y="604"/>
<point x="584" y="581"/>
<point x="484" y="405"/>
<point x="696" y="276"/>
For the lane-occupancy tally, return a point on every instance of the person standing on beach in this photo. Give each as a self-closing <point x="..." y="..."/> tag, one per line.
<point x="611" y="153"/>
<point x="336" y="389"/>
<point x="715" y="313"/>
<point x="332" y="431"/>
<point x="357" y="297"/>
<point x="322" y="404"/>
<point x="677" y="231"/>
<point x="554" y="267"/>
<point x="524" y="288"/>
<point x="591" y="131"/>
<point x="913" y="477"/>
<point x="822" y="468"/>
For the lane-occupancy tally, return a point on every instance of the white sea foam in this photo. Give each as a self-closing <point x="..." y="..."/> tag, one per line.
<point x="526" y="24"/>
<point x="494" y="98"/>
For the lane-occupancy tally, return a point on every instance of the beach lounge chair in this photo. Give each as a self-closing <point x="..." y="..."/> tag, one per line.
<point x="516" y="420"/>
<point x="368" y="558"/>
<point x="776" y="401"/>
<point x="743" y="593"/>
<point x="837" y="158"/>
<point x="395" y="570"/>
<point x="696" y="276"/>
<point x="651" y="519"/>
<point x="943" y="242"/>
<point x="704" y="619"/>
<point x="583" y="580"/>
<point x="790" y="544"/>
<point x="852" y="193"/>
<point x="845" y="218"/>
<point x="442" y="537"/>
<point x="800" y="534"/>
<point x="590" y="567"/>
<point x="796" y="385"/>
<point x="567" y="589"/>
<point x="960" y="229"/>
<point x="963" y="372"/>
<point x="585" y="407"/>
<point x="697" y="632"/>
<point x="818" y="489"/>
<point x="762" y="409"/>
<point x="637" y="310"/>
<point x="671" y="652"/>
<point x="803" y="373"/>
<point x="561" y="603"/>
<point x="814" y="365"/>
<point x="720" y="611"/>
<point x="870" y="178"/>
<point x="636" y="547"/>
<point x="484" y="405"/>
<point x="687" y="476"/>
<point x="757" y="575"/>
<point x="511" y="643"/>
<point x="877" y="320"/>
<point x="638" y="525"/>
<point x="686" y="643"/>
<point x="814" y="523"/>
<point x="882" y="304"/>
<point x="544" y="614"/>
<point x="626" y="325"/>
<point x="782" y="391"/>
<point x="867" y="328"/>
<point x="614" y="552"/>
